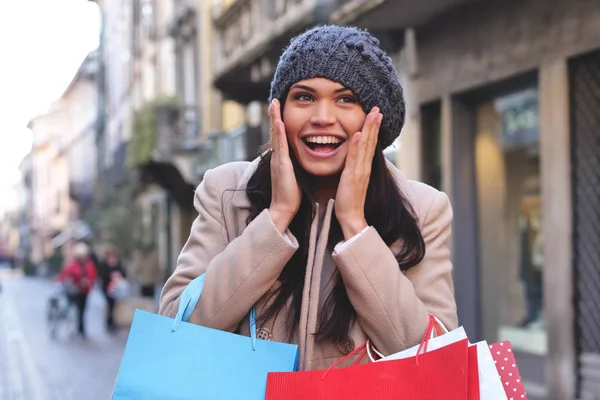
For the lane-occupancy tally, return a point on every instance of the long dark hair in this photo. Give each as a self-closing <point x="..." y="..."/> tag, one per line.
<point x="386" y="209"/>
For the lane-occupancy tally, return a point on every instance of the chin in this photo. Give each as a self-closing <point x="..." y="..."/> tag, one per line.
<point x="322" y="169"/>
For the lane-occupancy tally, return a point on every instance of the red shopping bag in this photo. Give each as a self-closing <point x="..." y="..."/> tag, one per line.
<point x="439" y="374"/>
<point x="504" y="357"/>
<point x="473" y="375"/>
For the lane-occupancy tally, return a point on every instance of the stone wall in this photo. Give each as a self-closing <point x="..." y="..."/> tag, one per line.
<point x="491" y="40"/>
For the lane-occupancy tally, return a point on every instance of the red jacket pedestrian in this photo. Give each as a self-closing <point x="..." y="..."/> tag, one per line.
<point x="82" y="274"/>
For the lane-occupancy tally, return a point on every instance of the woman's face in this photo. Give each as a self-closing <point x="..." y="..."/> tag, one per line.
<point x="320" y="117"/>
<point x="111" y="257"/>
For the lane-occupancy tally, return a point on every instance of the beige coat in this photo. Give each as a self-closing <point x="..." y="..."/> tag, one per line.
<point x="242" y="264"/>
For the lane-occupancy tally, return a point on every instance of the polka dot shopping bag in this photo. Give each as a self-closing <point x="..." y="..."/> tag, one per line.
<point x="504" y="358"/>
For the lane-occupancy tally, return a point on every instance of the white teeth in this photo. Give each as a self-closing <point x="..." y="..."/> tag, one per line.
<point x="323" y="139"/>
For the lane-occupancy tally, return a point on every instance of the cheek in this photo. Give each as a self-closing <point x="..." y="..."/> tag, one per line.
<point x="354" y="124"/>
<point x="293" y="125"/>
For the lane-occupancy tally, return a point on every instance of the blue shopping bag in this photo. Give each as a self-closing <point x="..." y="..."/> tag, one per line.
<point x="168" y="359"/>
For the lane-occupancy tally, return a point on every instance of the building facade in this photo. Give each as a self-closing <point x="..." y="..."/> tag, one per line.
<point x="50" y="182"/>
<point x="170" y="124"/>
<point x="62" y="164"/>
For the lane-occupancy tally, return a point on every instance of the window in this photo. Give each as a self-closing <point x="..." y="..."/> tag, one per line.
<point x="510" y="221"/>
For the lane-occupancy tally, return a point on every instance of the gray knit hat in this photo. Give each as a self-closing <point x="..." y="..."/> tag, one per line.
<point x="353" y="58"/>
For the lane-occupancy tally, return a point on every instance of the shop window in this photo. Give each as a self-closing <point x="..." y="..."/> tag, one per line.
<point x="510" y="221"/>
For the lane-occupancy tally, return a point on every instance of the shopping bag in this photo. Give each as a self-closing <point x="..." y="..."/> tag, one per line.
<point x="490" y="386"/>
<point x="443" y="338"/>
<point x="434" y="343"/>
<point x="429" y="375"/>
<point x="473" y="390"/>
<point x="506" y="365"/>
<point x="167" y="358"/>
<point x="119" y="288"/>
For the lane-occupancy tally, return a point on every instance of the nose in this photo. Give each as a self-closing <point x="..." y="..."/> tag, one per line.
<point x="323" y="114"/>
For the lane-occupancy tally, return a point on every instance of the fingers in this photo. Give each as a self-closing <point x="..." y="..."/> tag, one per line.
<point x="273" y="125"/>
<point x="373" y="127"/>
<point x="355" y="143"/>
<point x="370" y="134"/>
<point x="282" y="140"/>
<point x="278" y="137"/>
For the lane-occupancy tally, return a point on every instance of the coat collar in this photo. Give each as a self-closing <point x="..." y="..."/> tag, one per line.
<point x="239" y="199"/>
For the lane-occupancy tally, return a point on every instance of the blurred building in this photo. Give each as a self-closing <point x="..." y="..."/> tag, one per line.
<point x="62" y="163"/>
<point x="24" y="208"/>
<point x="508" y="123"/>
<point x="164" y="123"/>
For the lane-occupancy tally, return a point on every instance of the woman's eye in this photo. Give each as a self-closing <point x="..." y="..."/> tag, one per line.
<point x="347" y="99"/>
<point x="302" y="97"/>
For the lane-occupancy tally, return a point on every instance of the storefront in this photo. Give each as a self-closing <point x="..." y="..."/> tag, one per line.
<point x="510" y="218"/>
<point x="510" y="129"/>
<point x="483" y="147"/>
<point x="520" y="159"/>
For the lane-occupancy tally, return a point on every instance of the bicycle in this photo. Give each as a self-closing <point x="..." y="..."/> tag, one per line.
<point x="61" y="314"/>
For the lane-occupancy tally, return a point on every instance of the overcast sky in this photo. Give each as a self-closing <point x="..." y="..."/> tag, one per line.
<point x="42" y="44"/>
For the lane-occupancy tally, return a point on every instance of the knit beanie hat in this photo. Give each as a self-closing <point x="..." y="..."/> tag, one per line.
<point x="353" y="58"/>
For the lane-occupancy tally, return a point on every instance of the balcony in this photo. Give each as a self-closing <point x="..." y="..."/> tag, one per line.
<point x="183" y="23"/>
<point x="178" y="129"/>
<point x="251" y="35"/>
<point x="166" y="135"/>
<point x="239" y="144"/>
<point x="161" y="130"/>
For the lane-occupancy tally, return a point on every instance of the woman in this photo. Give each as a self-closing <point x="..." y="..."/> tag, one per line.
<point x="110" y="269"/>
<point x="80" y="273"/>
<point x="330" y="243"/>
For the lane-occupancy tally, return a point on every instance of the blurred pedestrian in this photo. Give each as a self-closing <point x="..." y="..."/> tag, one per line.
<point x="79" y="276"/>
<point x="110" y="270"/>
<point x="325" y="239"/>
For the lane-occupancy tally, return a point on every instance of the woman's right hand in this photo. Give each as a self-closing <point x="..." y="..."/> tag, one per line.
<point x="285" y="191"/>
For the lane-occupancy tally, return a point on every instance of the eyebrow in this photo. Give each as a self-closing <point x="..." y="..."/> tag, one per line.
<point x="310" y="89"/>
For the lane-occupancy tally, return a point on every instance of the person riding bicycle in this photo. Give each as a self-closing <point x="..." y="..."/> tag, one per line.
<point x="79" y="276"/>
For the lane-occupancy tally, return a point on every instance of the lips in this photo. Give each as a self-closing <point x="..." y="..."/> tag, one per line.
<point x="322" y="146"/>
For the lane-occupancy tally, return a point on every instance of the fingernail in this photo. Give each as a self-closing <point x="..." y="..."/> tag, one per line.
<point x="375" y="110"/>
<point x="379" y="118"/>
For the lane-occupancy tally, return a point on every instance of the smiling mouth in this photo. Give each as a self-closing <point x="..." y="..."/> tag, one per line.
<point x="323" y="145"/>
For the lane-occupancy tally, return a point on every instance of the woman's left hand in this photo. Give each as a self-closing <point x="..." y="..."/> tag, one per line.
<point x="352" y="190"/>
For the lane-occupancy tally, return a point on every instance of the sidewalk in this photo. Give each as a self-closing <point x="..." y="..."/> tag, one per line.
<point x="35" y="367"/>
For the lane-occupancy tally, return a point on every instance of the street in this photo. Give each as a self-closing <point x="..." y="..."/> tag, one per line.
<point x="35" y="367"/>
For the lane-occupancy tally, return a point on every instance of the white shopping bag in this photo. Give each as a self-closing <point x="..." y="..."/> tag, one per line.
<point x="120" y="289"/>
<point x="490" y="385"/>
<point x="434" y="343"/>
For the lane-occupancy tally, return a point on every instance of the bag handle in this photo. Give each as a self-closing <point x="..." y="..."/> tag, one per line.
<point x="362" y="347"/>
<point x="189" y="299"/>
<point x="439" y="330"/>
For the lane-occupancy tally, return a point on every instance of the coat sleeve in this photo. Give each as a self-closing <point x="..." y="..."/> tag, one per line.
<point x="392" y="307"/>
<point x="238" y="272"/>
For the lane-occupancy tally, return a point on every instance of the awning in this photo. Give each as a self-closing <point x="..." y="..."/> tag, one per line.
<point x="78" y="230"/>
